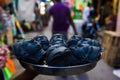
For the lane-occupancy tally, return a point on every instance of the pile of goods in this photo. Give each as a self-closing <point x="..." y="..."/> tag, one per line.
<point x="58" y="51"/>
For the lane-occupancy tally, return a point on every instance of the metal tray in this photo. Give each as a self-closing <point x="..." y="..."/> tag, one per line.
<point x="59" y="71"/>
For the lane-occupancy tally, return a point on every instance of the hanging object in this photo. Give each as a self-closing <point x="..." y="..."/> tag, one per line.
<point x="20" y="28"/>
<point x="10" y="65"/>
<point x="81" y="6"/>
<point x="26" y="10"/>
<point x="13" y="25"/>
<point x="7" y="65"/>
<point x="7" y="73"/>
<point x="9" y="37"/>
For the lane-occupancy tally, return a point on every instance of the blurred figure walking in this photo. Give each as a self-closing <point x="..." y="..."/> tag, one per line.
<point x="61" y="18"/>
<point x="37" y="17"/>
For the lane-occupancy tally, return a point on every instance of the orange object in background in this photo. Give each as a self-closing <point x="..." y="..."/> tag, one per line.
<point x="5" y="1"/>
<point x="72" y="1"/>
<point x="72" y="14"/>
<point x="2" y="1"/>
<point x="81" y="6"/>
<point x="10" y="65"/>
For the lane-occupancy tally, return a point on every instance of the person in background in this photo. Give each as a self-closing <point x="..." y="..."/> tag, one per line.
<point x="37" y="16"/>
<point x="61" y="18"/>
<point x="88" y="13"/>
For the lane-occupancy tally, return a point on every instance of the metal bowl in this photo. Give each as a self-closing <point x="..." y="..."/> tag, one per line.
<point x="59" y="71"/>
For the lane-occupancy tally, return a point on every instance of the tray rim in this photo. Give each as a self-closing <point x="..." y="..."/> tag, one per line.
<point x="59" y="71"/>
<point x="55" y="67"/>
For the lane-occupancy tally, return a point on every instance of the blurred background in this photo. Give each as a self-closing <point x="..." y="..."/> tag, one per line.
<point x="28" y="18"/>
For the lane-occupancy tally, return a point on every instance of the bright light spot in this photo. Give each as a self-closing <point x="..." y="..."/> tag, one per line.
<point x="42" y="12"/>
<point x="51" y="3"/>
<point x="47" y="0"/>
<point x="42" y="8"/>
<point x="42" y="4"/>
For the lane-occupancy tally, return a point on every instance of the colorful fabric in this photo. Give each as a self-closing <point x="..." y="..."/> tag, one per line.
<point x="19" y="28"/>
<point x="10" y="65"/>
<point x="6" y="64"/>
<point x="13" y="25"/>
<point x="7" y="73"/>
<point x="3" y="55"/>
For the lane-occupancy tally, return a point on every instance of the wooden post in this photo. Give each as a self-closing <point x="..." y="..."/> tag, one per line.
<point x="98" y="7"/>
<point x="115" y="6"/>
<point x="118" y="19"/>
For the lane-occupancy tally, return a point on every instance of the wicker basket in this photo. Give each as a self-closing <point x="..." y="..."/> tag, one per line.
<point x="111" y="44"/>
